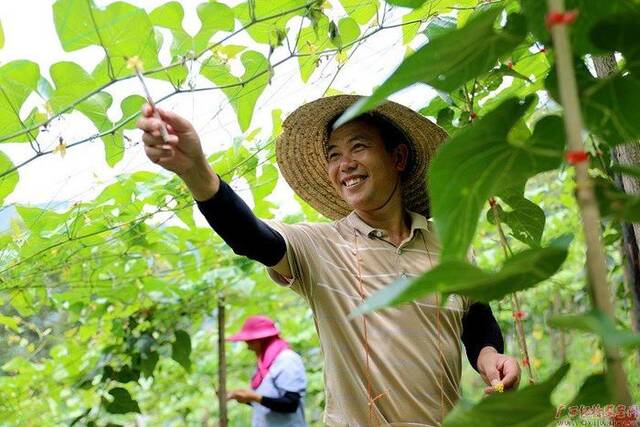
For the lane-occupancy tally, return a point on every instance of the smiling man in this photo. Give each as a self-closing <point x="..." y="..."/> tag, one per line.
<point x="398" y="366"/>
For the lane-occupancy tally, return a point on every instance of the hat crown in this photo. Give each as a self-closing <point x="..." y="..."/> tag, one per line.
<point x="255" y="327"/>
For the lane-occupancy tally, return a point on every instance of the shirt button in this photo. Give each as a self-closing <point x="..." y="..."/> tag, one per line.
<point x="378" y="233"/>
<point x="399" y="251"/>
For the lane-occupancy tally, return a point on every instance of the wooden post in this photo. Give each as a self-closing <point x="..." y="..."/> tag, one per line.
<point x="626" y="154"/>
<point x="222" y="366"/>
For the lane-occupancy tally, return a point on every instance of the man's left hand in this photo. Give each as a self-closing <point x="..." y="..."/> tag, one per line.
<point x="244" y="396"/>
<point x="498" y="368"/>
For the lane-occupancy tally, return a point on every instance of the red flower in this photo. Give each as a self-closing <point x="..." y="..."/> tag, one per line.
<point x="576" y="156"/>
<point x="525" y="361"/>
<point x="473" y="115"/>
<point x="560" y="18"/>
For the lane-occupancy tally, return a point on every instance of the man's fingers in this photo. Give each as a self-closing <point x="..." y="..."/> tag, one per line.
<point x="178" y="123"/>
<point x="158" y="155"/>
<point x="511" y="373"/>
<point x="156" y="140"/>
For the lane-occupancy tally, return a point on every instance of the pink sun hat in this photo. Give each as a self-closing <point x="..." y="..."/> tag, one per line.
<point x="255" y="327"/>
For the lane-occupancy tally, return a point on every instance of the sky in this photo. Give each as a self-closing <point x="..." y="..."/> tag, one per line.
<point x="54" y="181"/>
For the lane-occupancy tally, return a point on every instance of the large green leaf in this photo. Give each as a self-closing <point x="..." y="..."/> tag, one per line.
<point x="520" y="271"/>
<point x="243" y="92"/>
<point x="452" y="59"/>
<point x="80" y="24"/>
<point x="589" y="13"/>
<point x="18" y="79"/>
<point x="8" y="182"/>
<point x="598" y="323"/>
<point x="181" y="349"/>
<point x="413" y="20"/>
<point x="479" y="162"/>
<point x="122" y="402"/>
<point x="527" y="407"/>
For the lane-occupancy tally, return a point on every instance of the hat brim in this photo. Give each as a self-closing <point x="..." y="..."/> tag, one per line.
<point x="242" y="336"/>
<point x="300" y="152"/>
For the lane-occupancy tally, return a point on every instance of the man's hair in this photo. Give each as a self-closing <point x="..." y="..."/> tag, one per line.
<point x="392" y="136"/>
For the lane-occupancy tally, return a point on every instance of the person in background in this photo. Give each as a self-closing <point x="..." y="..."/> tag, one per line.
<point x="278" y="383"/>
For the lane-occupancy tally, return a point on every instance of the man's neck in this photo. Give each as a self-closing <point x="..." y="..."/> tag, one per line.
<point x="392" y="218"/>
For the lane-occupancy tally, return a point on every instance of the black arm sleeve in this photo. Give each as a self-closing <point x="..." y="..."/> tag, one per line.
<point x="288" y="403"/>
<point x="480" y="329"/>
<point x="247" y="235"/>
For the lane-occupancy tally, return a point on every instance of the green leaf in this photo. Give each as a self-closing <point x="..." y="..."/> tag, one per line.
<point x="478" y="162"/>
<point x="413" y="20"/>
<point x="311" y="41"/>
<point x="525" y="219"/>
<point x="598" y="323"/>
<point x="148" y="363"/>
<point x="181" y="349"/>
<point x="608" y="105"/>
<point x="80" y="24"/>
<point x="18" y="79"/>
<point x="615" y="203"/>
<point x="590" y="12"/>
<point x="449" y="61"/>
<point x="594" y="391"/>
<point x="242" y="92"/>
<point x="361" y="10"/>
<point x="521" y="271"/>
<point x="214" y="17"/>
<point x="170" y="16"/>
<point x="1" y="36"/>
<point x="407" y="3"/>
<point x="262" y="31"/>
<point x="527" y="407"/>
<point x="8" y="182"/>
<point x="122" y="402"/>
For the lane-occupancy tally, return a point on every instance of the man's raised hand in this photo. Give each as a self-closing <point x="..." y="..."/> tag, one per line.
<point x="181" y="152"/>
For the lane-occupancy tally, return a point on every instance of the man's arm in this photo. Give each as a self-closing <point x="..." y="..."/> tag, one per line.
<point x="229" y="216"/>
<point x="479" y="330"/>
<point x="245" y="233"/>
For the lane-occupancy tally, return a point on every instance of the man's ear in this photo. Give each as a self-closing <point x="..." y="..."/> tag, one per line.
<point x="401" y="157"/>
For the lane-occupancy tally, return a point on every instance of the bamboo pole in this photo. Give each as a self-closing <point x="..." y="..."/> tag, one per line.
<point x="596" y="265"/>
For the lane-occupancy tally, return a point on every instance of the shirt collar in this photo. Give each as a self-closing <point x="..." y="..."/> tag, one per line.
<point x="418" y="222"/>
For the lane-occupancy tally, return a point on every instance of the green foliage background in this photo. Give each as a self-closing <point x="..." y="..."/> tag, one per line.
<point x="107" y="306"/>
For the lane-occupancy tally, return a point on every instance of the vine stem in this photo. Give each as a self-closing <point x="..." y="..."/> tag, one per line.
<point x="515" y="301"/>
<point x="596" y="263"/>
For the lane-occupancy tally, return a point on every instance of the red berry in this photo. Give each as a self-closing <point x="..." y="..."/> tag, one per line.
<point x="473" y="115"/>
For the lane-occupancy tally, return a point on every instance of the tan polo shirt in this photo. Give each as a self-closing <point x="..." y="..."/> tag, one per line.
<point x="414" y="351"/>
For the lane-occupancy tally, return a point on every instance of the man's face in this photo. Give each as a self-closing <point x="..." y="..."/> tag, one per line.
<point x="363" y="173"/>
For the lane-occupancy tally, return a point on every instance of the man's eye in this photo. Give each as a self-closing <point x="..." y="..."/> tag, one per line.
<point x="332" y="156"/>
<point x="358" y="146"/>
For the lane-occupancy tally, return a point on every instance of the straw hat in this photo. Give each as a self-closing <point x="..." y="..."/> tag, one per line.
<point x="300" y="152"/>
